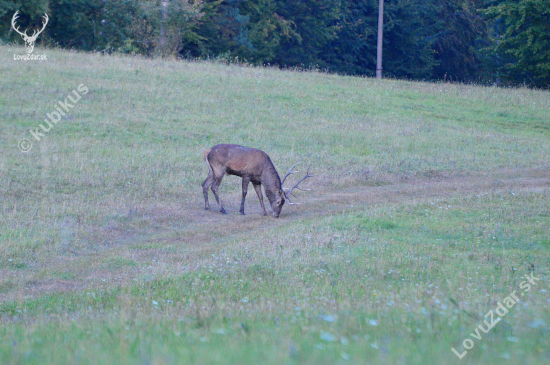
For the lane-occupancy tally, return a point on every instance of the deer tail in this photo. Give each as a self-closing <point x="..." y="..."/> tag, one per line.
<point x="205" y="154"/>
<point x="205" y="157"/>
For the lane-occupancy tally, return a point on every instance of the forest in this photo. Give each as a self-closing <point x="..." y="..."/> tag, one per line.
<point x="495" y="42"/>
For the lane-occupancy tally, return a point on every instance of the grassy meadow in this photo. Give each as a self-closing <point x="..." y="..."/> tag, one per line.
<point x="431" y="204"/>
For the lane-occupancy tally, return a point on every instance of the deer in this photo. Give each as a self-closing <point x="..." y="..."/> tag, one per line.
<point x="29" y="40"/>
<point x="253" y="166"/>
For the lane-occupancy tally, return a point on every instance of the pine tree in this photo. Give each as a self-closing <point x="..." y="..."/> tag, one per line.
<point x="523" y="41"/>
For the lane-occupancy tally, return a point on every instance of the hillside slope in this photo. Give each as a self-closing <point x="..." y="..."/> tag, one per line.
<point x="430" y="204"/>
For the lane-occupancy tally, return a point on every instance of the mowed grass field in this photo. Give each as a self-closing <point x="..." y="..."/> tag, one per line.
<point x="431" y="204"/>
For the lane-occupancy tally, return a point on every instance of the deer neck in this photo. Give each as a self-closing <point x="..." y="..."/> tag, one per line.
<point x="272" y="183"/>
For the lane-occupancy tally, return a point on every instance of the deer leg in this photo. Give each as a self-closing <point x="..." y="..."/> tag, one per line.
<point x="246" y="181"/>
<point x="215" y="186"/>
<point x="258" y="188"/>
<point x="205" y="185"/>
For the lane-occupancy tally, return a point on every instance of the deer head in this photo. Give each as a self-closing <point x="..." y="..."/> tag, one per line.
<point x="253" y="166"/>
<point x="29" y="40"/>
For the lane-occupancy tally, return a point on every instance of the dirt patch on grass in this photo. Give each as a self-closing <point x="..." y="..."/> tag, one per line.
<point x="177" y="238"/>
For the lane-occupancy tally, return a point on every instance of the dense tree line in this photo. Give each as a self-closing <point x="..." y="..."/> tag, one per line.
<point x="484" y="41"/>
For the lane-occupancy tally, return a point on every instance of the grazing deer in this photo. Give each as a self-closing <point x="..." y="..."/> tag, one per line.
<point x="252" y="165"/>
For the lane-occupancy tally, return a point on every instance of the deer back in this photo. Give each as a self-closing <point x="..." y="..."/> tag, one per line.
<point x="239" y="160"/>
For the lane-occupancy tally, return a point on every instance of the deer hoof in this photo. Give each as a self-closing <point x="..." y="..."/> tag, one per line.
<point x="242" y="212"/>
<point x="222" y="211"/>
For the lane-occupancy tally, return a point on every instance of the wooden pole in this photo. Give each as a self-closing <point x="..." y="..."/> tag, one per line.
<point x="162" y="40"/>
<point x="379" y="47"/>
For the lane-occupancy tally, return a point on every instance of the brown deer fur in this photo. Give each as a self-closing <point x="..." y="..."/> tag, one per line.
<point x="252" y="165"/>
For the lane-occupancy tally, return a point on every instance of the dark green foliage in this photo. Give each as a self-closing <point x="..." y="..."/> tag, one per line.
<point x="354" y="50"/>
<point x="30" y="15"/>
<point x="127" y="26"/>
<point x="459" y="40"/>
<point x="522" y="40"/>
<point x="422" y="39"/>
<point x="461" y="34"/>
<point x="408" y="39"/>
<point x="75" y="23"/>
<point x="266" y="30"/>
<point x="221" y="30"/>
<point x="154" y="31"/>
<point x="238" y="29"/>
<point x="315" y="25"/>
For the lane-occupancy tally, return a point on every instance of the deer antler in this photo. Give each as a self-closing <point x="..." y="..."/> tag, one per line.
<point x="289" y="192"/>
<point x="13" y="19"/>
<point x="44" y="22"/>
<point x="290" y="172"/>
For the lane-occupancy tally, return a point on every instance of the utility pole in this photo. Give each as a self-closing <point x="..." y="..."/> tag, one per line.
<point x="380" y="30"/>
<point x="162" y="38"/>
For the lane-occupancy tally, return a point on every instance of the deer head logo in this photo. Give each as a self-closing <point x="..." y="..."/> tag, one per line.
<point x="29" y="40"/>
